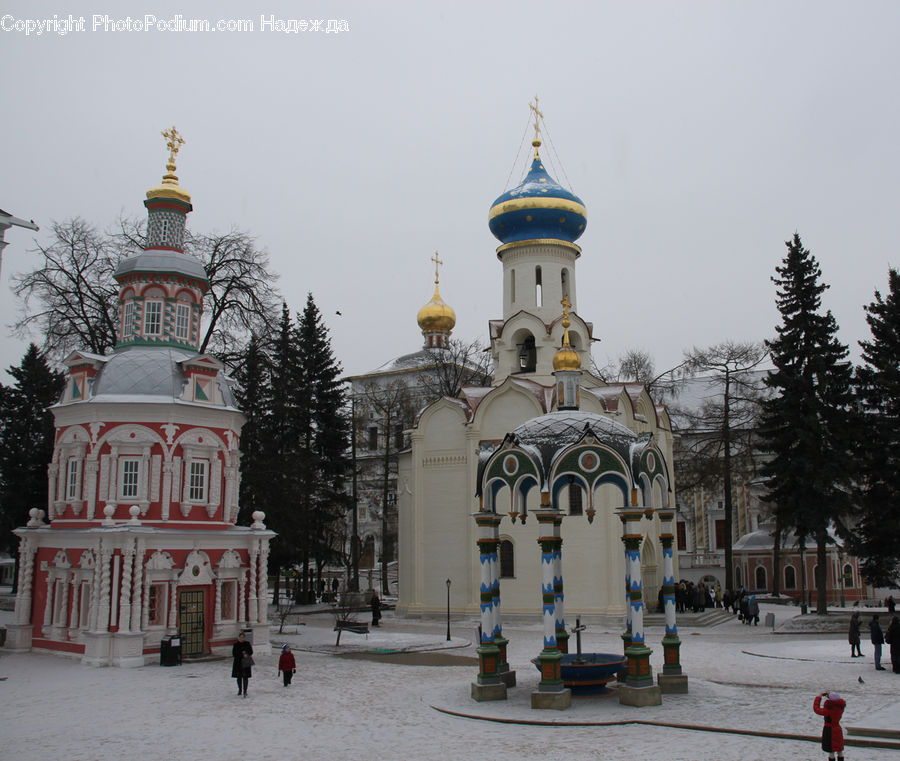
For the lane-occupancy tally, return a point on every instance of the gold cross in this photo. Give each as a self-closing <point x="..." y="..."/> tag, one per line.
<point x="566" y="305"/>
<point x="437" y="263"/>
<point x="174" y="141"/>
<point x="537" y="115"/>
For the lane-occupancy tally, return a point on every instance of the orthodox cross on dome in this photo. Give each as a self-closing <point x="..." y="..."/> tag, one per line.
<point x="437" y="263"/>
<point x="538" y="115"/>
<point x="174" y="141"/>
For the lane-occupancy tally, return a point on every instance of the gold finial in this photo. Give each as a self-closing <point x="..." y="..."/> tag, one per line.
<point x="536" y="142"/>
<point x="566" y="358"/>
<point x="174" y="141"/>
<point x="169" y="188"/>
<point x="437" y="263"/>
<point x="566" y="305"/>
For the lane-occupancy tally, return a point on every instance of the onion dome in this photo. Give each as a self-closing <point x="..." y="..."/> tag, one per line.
<point x="436" y="315"/>
<point x="538" y="208"/>
<point x="436" y="319"/>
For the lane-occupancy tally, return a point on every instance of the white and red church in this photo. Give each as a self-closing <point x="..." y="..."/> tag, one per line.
<point x="141" y="538"/>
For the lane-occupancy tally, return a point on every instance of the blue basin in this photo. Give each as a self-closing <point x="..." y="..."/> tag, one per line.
<point x="588" y="673"/>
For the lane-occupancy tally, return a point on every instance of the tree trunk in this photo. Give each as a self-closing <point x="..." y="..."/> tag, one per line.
<point x="726" y="483"/>
<point x="822" y="571"/>
<point x="776" y="559"/>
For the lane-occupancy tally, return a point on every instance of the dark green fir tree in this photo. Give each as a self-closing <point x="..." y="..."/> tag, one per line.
<point x="26" y="441"/>
<point x="806" y="424"/>
<point x="324" y="439"/>
<point x="876" y="535"/>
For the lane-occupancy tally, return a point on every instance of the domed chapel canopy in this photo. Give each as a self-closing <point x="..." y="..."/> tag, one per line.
<point x="559" y="448"/>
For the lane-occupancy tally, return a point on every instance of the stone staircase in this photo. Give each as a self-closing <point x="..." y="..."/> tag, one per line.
<point x="709" y="617"/>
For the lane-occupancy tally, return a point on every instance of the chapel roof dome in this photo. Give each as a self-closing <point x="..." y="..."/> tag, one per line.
<point x="537" y="208"/>
<point x="160" y="261"/>
<point x="148" y="373"/>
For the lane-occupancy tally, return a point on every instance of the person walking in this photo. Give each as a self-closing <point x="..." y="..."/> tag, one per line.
<point x="287" y="664"/>
<point x="877" y="637"/>
<point x="832" y="734"/>
<point x="375" y="604"/>
<point x="242" y="656"/>
<point x="753" y="611"/>
<point x="853" y="635"/>
<point x="892" y="637"/>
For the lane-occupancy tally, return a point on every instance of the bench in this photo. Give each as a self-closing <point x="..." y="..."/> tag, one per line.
<point x="357" y="627"/>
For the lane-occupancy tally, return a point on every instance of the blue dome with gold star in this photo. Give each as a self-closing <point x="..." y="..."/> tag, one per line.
<point x="538" y="208"/>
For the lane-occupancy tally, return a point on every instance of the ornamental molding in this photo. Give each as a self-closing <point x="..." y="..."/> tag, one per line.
<point x="444" y="461"/>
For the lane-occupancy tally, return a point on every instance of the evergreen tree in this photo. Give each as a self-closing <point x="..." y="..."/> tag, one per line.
<point x="253" y="393"/>
<point x="278" y="460"/>
<point x="323" y="430"/>
<point x="26" y="441"/>
<point x="806" y="421"/>
<point x="876" y="538"/>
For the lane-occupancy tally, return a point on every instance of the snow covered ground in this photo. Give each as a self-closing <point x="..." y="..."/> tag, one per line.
<point x="340" y="708"/>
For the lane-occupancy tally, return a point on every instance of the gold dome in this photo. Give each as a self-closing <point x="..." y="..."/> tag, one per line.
<point x="566" y="359"/>
<point x="169" y="187"/>
<point x="436" y="315"/>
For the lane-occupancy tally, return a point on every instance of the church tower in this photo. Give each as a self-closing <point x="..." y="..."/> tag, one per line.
<point x="537" y="224"/>
<point x="142" y="542"/>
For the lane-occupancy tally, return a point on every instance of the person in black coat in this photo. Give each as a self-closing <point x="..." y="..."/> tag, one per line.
<point x="892" y="637"/>
<point x="242" y="652"/>
<point x="853" y="635"/>
<point x="376" y="609"/>
<point x="877" y="637"/>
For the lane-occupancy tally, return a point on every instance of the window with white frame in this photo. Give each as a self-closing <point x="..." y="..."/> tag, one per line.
<point x="156" y="605"/>
<point x="182" y="321"/>
<point x="72" y="473"/>
<point x="229" y="597"/>
<point x="129" y="481"/>
<point x="152" y="318"/>
<point x="197" y="481"/>
<point x="127" y="319"/>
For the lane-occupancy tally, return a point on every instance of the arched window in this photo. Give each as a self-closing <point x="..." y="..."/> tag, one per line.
<point x="527" y="356"/>
<point x="575" y="506"/>
<point x="761" y="578"/>
<point x="538" y="287"/>
<point x="790" y="577"/>
<point x="848" y="575"/>
<point x="512" y="286"/>
<point x="564" y="281"/>
<point x="507" y="559"/>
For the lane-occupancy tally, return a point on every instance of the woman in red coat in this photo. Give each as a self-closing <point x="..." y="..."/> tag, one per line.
<point x="832" y="734"/>
<point x="287" y="665"/>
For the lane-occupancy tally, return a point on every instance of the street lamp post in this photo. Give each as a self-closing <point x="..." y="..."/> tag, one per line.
<point x="448" y="610"/>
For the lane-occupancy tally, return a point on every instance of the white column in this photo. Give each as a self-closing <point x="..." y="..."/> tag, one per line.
<point x="73" y="613"/>
<point x="263" y="583"/>
<point x="173" y="604"/>
<point x="26" y="581"/>
<point x="125" y="588"/>
<point x="242" y="604"/>
<point x="252" y="601"/>
<point x="217" y="609"/>
<point x="137" y="591"/>
<point x="64" y="601"/>
<point x="48" y="603"/>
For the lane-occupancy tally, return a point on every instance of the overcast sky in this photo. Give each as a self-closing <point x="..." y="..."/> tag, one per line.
<point x="700" y="136"/>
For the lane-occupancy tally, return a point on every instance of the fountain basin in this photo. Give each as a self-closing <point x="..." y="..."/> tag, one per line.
<point x="588" y="674"/>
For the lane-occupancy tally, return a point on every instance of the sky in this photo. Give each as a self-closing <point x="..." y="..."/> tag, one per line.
<point x="700" y="136"/>
<point x="740" y="678"/>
